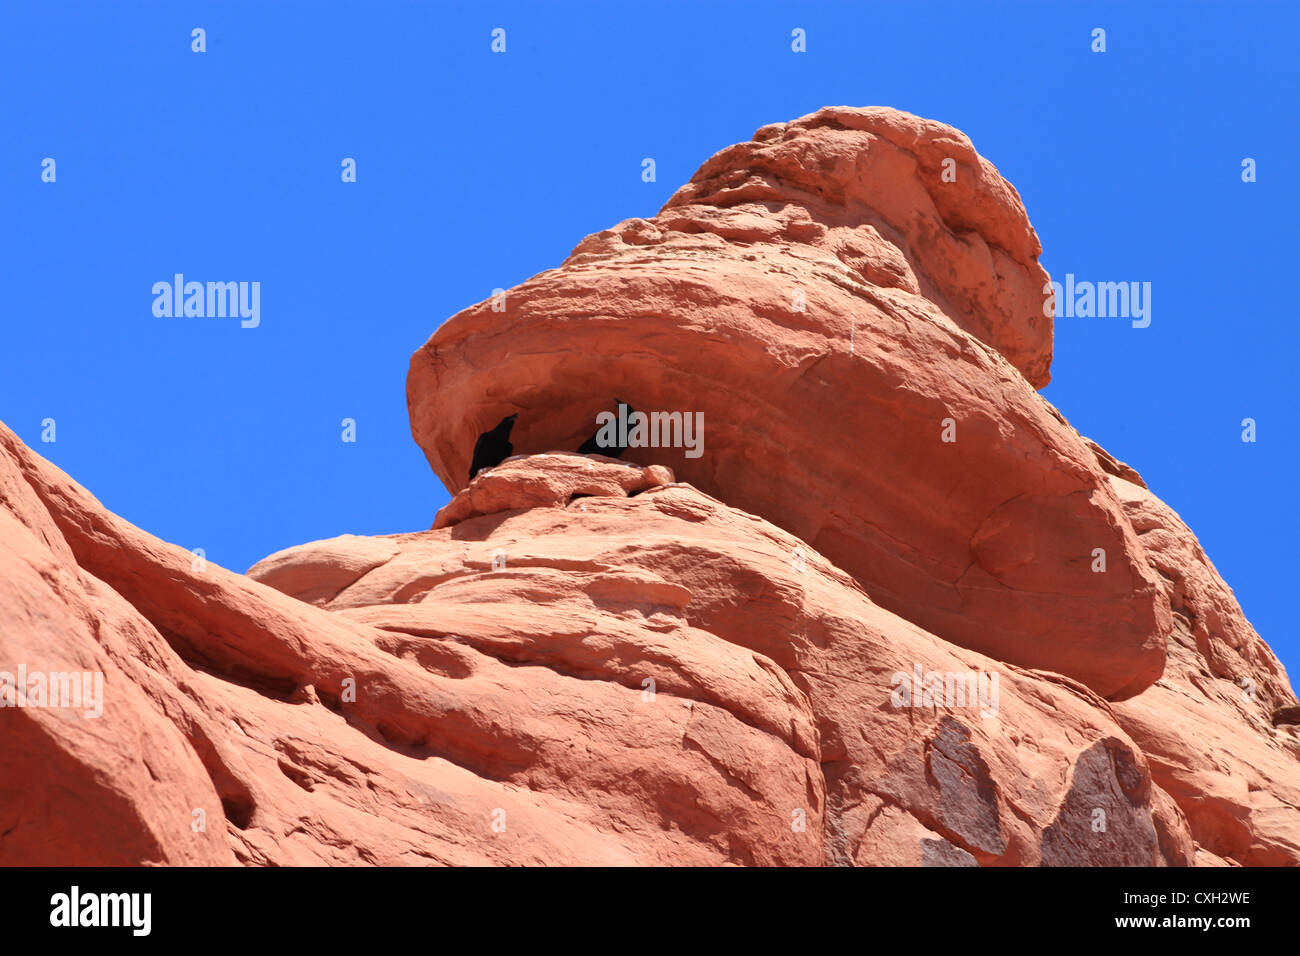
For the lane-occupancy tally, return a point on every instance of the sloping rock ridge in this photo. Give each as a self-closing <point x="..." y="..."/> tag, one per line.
<point x="891" y="610"/>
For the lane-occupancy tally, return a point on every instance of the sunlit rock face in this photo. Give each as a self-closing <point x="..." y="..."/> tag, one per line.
<point x="852" y="307"/>
<point x="881" y="605"/>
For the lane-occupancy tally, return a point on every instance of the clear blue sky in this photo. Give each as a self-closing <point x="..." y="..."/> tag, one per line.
<point x="478" y="170"/>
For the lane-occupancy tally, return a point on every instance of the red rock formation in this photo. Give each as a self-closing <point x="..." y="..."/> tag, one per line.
<point x="1206" y="725"/>
<point x="833" y="638"/>
<point x="830" y="305"/>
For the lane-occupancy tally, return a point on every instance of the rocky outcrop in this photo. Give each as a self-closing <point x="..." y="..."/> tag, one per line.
<point x="615" y="677"/>
<point x="1207" y="726"/>
<point x="897" y="611"/>
<point x="862" y="340"/>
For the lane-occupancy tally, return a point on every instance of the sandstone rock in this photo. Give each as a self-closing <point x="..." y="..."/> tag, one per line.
<point x="114" y="788"/>
<point x="833" y="638"/>
<point x="441" y="742"/>
<point x="1286" y="714"/>
<point x="543" y="481"/>
<point x="829" y="305"/>
<point x="659" y="678"/>
<point x="1208" y="725"/>
<point x="321" y="570"/>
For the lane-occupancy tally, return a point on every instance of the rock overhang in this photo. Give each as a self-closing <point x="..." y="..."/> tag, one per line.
<point x="863" y="340"/>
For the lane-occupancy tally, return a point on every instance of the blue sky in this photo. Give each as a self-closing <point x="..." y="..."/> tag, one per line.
<point x="477" y="170"/>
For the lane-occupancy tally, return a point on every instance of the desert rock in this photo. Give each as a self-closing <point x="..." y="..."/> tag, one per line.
<point x="892" y="610"/>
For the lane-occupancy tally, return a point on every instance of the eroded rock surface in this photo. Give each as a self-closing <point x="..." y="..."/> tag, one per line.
<point x="867" y="625"/>
<point x="648" y="679"/>
<point x="834" y="309"/>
